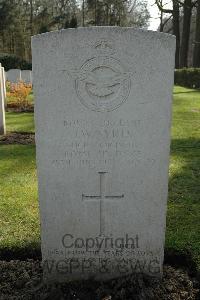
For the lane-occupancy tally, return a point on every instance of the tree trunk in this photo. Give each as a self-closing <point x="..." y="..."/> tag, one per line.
<point x="83" y="13"/>
<point x="107" y="14"/>
<point x="31" y="16"/>
<point x="95" y="13"/>
<point x="187" y="12"/>
<point x="176" y="31"/>
<point x="196" y="54"/>
<point x="176" y="25"/>
<point x="161" y="21"/>
<point x="161" y="18"/>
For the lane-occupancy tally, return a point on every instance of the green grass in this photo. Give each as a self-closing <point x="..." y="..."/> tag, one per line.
<point x="18" y="183"/>
<point x="183" y="219"/>
<point x="18" y="194"/>
<point x="21" y="122"/>
<point x="30" y="98"/>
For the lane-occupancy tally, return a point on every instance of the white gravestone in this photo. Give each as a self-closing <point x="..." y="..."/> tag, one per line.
<point x="26" y="76"/>
<point x="4" y="81"/>
<point x="13" y="75"/>
<point x="103" y="111"/>
<point x="4" y="85"/>
<point x="2" y="105"/>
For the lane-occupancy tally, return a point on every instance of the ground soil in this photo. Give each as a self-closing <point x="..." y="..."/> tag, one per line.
<point x="23" y="280"/>
<point x="23" y="138"/>
<point x="16" y="108"/>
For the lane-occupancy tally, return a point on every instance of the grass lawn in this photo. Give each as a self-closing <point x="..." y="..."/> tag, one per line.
<point x="18" y="182"/>
<point x="183" y="219"/>
<point x="18" y="194"/>
<point x="30" y="97"/>
<point x="22" y="122"/>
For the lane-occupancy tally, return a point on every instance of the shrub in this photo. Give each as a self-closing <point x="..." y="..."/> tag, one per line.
<point x="18" y="93"/>
<point x="188" y="77"/>
<point x="11" y="61"/>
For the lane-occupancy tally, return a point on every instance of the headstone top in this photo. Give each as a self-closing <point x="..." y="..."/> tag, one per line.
<point x="100" y="29"/>
<point x="13" y="75"/>
<point x="26" y="76"/>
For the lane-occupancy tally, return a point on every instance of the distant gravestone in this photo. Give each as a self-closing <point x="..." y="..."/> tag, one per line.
<point x="2" y="105"/>
<point x="103" y="111"/>
<point x="26" y="76"/>
<point x="13" y="75"/>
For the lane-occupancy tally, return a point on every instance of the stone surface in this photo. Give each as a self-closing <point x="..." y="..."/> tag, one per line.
<point x="2" y="105"/>
<point x="102" y="112"/>
<point x="13" y="75"/>
<point x="26" y="76"/>
<point x="4" y="82"/>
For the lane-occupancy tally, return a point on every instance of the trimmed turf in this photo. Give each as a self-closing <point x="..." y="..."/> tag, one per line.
<point x="19" y="122"/>
<point x="183" y="219"/>
<point x="18" y="182"/>
<point x="18" y="193"/>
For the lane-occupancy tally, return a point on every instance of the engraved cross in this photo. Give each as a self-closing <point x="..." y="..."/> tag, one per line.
<point x="102" y="197"/>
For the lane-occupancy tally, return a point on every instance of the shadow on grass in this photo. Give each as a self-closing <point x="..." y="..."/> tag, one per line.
<point x="183" y="259"/>
<point x="183" y="219"/>
<point x="187" y="92"/>
<point x="31" y="251"/>
<point x="178" y="145"/>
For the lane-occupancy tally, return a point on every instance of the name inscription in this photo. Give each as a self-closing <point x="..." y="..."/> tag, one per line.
<point x="90" y="144"/>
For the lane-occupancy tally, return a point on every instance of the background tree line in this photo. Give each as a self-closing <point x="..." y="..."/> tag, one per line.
<point x="20" y="19"/>
<point x="183" y="20"/>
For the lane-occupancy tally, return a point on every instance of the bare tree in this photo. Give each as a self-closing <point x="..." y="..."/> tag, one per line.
<point x="196" y="54"/>
<point x="175" y="12"/>
<point x="187" y="13"/>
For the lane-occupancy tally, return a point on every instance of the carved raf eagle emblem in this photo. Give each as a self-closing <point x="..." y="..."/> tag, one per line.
<point x="101" y="83"/>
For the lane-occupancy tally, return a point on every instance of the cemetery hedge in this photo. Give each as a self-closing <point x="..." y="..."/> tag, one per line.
<point x="18" y="183"/>
<point x="187" y="77"/>
<point x="11" y="61"/>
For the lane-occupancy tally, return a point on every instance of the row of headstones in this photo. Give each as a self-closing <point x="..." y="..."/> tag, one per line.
<point x="13" y="76"/>
<point x="2" y="100"/>
<point x="16" y="75"/>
